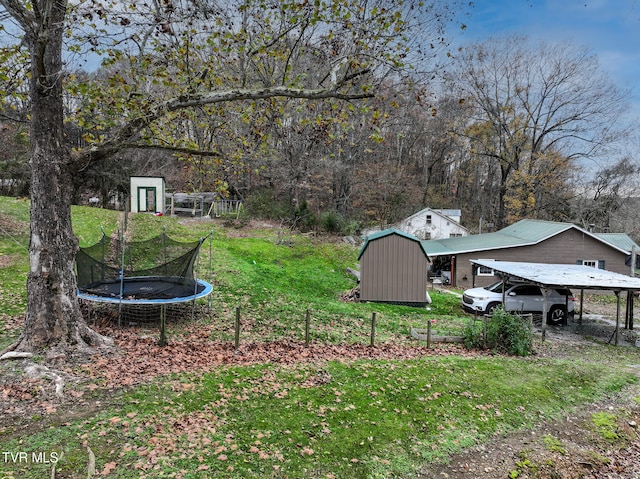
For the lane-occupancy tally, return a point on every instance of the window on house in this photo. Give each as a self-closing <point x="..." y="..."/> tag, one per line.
<point x="455" y="235"/>
<point x="484" y="270"/>
<point x="592" y="263"/>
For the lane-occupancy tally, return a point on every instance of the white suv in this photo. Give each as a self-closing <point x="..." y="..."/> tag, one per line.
<point x="519" y="297"/>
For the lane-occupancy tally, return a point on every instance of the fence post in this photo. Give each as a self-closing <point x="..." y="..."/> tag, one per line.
<point x="307" y="322"/>
<point x="429" y="334"/>
<point x="237" y="327"/>
<point x="163" y="319"/>
<point x="373" y="329"/>
<point x="485" y="318"/>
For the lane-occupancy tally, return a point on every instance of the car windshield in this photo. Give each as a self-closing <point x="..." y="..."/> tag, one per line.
<point x="497" y="287"/>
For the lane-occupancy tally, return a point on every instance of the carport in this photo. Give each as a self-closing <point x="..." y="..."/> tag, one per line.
<point x="572" y="276"/>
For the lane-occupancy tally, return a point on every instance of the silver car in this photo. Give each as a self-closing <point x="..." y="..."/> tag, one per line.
<point x="519" y="297"/>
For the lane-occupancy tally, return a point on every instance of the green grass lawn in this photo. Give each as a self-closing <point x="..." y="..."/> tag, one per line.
<point x="275" y="282"/>
<point x="365" y="419"/>
<point x="14" y="251"/>
<point x="14" y="256"/>
<point x="338" y="419"/>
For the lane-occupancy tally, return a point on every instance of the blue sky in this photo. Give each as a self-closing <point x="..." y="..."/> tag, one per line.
<point x="610" y="28"/>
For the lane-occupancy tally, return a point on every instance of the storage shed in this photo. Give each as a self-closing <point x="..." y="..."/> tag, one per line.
<point x="147" y="194"/>
<point x="393" y="269"/>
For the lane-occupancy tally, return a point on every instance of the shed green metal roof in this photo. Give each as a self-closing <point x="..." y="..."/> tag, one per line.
<point x="388" y="232"/>
<point x="522" y="233"/>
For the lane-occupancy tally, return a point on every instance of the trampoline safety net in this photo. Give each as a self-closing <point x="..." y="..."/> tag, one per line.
<point x="158" y="268"/>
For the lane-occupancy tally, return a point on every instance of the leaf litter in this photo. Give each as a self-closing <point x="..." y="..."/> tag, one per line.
<point x="195" y="435"/>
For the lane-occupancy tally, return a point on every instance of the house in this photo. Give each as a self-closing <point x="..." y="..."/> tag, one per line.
<point x="432" y="223"/>
<point x="147" y="194"/>
<point x="529" y="241"/>
<point x="393" y="268"/>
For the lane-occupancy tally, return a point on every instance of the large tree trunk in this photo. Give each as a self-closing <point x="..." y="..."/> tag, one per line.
<point x="53" y="316"/>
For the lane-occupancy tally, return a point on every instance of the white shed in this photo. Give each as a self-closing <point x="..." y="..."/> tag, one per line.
<point x="147" y="194"/>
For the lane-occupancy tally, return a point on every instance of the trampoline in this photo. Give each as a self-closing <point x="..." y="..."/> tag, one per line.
<point x="146" y="290"/>
<point x="158" y="271"/>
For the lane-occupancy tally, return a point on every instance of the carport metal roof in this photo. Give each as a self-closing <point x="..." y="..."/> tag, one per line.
<point x="563" y="275"/>
<point x="568" y="276"/>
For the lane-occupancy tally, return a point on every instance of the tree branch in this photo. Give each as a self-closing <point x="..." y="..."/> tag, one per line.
<point x="129" y="132"/>
<point x="20" y="14"/>
<point x="169" y="148"/>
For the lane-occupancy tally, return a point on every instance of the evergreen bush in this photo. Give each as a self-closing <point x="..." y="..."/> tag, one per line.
<point x="331" y="221"/>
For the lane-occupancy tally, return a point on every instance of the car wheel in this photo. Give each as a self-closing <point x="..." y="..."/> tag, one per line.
<point x="491" y="308"/>
<point x="556" y="315"/>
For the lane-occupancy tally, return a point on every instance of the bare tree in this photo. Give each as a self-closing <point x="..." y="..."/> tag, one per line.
<point x="534" y="104"/>
<point x="600" y="200"/>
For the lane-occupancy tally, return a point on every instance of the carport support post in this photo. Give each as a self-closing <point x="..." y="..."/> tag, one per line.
<point x="626" y="311"/>
<point x="504" y="292"/>
<point x="581" y="305"/>
<point x="631" y="304"/>
<point x="617" y="316"/>
<point x="628" y="317"/>
<point x="545" y="309"/>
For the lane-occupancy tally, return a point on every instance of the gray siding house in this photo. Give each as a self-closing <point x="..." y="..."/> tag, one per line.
<point x="393" y="268"/>
<point x="529" y="241"/>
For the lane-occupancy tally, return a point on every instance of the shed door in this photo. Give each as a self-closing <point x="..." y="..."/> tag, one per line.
<point x="147" y="198"/>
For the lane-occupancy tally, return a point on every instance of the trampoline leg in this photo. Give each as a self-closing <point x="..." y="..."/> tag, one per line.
<point x="163" y="315"/>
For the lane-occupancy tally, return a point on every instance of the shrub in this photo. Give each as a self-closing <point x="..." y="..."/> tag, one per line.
<point x="263" y="204"/>
<point x="505" y="333"/>
<point x="331" y="221"/>
<point x="304" y="218"/>
<point x="474" y="335"/>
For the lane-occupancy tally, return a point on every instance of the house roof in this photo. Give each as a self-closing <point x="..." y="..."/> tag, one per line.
<point x="449" y="212"/>
<point x="388" y="232"/>
<point x="445" y="214"/>
<point x="621" y="240"/>
<point x="522" y="233"/>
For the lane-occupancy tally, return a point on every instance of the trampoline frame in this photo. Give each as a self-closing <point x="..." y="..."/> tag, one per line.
<point x="121" y="299"/>
<point x="208" y="288"/>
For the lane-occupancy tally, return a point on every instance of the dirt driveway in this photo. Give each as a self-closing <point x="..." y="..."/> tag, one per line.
<point x="570" y="447"/>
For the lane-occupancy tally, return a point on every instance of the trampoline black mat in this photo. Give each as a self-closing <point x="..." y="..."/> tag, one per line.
<point x="145" y="287"/>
